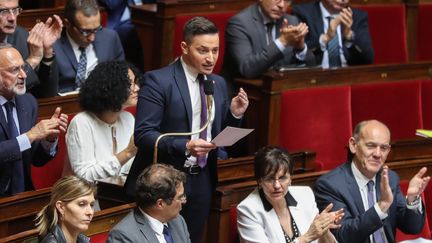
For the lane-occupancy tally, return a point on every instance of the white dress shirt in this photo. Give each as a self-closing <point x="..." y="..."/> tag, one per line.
<point x="90" y="145"/>
<point x="157" y="226"/>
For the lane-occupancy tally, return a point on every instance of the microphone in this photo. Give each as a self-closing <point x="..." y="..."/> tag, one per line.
<point x="209" y="91"/>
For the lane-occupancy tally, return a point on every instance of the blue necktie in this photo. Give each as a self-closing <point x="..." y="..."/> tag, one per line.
<point x="333" y="48"/>
<point x="167" y="234"/>
<point x="202" y="161"/>
<point x="82" y="67"/>
<point x="377" y="235"/>
<point x="17" y="180"/>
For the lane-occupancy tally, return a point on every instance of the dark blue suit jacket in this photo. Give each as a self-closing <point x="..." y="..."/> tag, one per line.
<point x="164" y="105"/>
<point x="340" y="188"/>
<point x="361" y="52"/>
<point x="26" y="107"/>
<point x="107" y="47"/>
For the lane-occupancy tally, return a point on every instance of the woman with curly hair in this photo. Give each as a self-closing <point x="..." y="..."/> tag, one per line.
<point x="100" y="138"/>
<point x="68" y="213"/>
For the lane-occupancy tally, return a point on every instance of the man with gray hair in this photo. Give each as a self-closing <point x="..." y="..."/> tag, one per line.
<point x="23" y="142"/>
<point x="159" y="197"/>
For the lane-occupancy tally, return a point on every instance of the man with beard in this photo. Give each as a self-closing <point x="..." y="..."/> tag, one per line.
<point x="23" y="142"/>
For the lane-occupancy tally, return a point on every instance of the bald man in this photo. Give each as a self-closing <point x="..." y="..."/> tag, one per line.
<point x="369" y="192"/>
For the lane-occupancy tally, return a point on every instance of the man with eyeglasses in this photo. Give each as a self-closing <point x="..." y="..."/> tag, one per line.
<point x="23" y="142"/>
<point x="263" y="36"/>
<point x="369" y="191"/>
<point x="36" y="47"/>
<point x="339" y="36"/>
<point x="83" y="44"/>
<point x="159" y="197"/>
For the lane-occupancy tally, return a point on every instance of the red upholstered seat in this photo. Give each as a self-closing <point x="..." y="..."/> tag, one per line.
<point x="389" y="43"/>
<point x="99" y="238"/>
<point x="426" y="233"/>
<point x="428" y="204"/>
<point x="233" y="232"/>
<point x="424" y="33"/>
<point x="48" y="174"/>
<point x="317" y="119"/>
<point x="427" y="104"/>
<point x="396" y="104"/>
<point x="220" y="20"/>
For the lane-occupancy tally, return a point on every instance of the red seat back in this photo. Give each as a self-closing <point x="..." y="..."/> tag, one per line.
<point x="99" y="238"/>
<point x="48" y="174"/>
<point x="233" y="232"/>
<point x="396" y="104"/>
<point x="388" y="22"/>
<point x="220" y="20"/>
<point x="427" y="104"/>
<point x="317" y="119"/>
<point x="426" y="233"/>
<point x="424" y="33"/>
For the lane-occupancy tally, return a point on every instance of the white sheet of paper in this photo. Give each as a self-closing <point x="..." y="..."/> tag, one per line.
<point x="230" y="135"/>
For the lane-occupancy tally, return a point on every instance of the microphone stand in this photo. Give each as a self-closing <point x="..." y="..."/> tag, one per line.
<point x="209" y="108"/>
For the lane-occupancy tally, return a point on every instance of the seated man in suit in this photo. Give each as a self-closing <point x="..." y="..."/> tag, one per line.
<point x="264" y="36"/>
<point x="369" y="192"/>
<point x="338" y="35"/>
<point x="83" y="44"/>
<point x="159" y="198"/>
<point x="35" y="47"/>
<point x="22" y="141"/>
<point x="172" y="99"/>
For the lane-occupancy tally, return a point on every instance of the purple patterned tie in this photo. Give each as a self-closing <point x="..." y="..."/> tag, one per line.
<point x="202" y="161"/>
<point x="377" y="235"/>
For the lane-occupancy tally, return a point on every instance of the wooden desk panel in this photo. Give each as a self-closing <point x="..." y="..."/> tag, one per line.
<point x="69" y="104"/>
<point x="27" y="18"/>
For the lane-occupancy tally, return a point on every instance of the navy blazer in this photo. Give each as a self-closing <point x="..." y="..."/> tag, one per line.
<point x="26" y="107"/>
<point x="361" y="52"/>
<point x="164" y="105"/>
<point x="340" y="188"/>
<point x="107" y="46"/>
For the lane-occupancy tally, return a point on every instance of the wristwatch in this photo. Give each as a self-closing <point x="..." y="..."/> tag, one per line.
<point x="414" y="202"/>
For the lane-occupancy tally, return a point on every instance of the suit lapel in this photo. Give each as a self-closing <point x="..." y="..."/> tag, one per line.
<point x="319" y="25"/>
<point x="353" y="190"/>
<point x="67" y="48"/>
<point x="259" y="22"/>
<point x="3" y="123"/>
<point x="24" y="115"/>
<point x="144" y="226"/>
<point x="181" y="81"/>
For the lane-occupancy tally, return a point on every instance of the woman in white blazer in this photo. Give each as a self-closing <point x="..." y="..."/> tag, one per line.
<point x="277" y="212"/>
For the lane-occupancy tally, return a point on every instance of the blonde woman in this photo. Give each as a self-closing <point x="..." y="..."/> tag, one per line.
<point x="68" y="213"/>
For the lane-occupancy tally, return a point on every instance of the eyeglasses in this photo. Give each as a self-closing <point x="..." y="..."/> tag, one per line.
<point x="181" y="198"/>
<point x="87" y="32"/>
<point x="373" y="146"/>
<point x="6" y="11"/>
<point x="271" y="180"/>
<point x="14" y="70"/>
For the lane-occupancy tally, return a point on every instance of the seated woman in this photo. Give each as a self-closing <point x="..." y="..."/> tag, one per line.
<point x="100" y="139"/>
<point x="68" y="213"/>
<point x="278" y="212"/>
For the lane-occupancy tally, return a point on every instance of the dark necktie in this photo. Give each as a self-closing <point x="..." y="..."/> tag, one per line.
<point x="167" y="235"/>
<point x="17" y="180"/>
<point x="201" y="161"/>
<point x="269" y="27"/>
<point x="82" y="67"/>
<point x="333" y="48"/>
<point x="377" y="235"/>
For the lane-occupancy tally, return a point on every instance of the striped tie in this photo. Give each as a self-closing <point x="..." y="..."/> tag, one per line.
<point x="333" y="48"/>
<point x="82" y="67"/>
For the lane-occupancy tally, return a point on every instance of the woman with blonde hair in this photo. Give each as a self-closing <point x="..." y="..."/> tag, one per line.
<point x="68" y="213"/>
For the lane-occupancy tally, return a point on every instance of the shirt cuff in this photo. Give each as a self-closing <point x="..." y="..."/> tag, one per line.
<point x="279" y="45"/>
<point x="23" y="142"/>
<point x="380" y="213"/>
<point x="49" y="148"/>
<point x="301" y="55"/>
<point x="418" y="206"/>
<point x="236" y="117"/>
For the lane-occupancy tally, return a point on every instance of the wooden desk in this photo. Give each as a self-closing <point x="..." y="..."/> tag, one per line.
<point x="18" y="211"/>
<point x="27" y="18"/>
<point x="155" y="25"/>
<point x="103" y="221"/>
<point x="69" y="104"/>
<point x="265" y="94"/>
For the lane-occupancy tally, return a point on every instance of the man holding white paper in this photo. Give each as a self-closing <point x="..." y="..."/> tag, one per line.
<point x="171" y="100"/>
